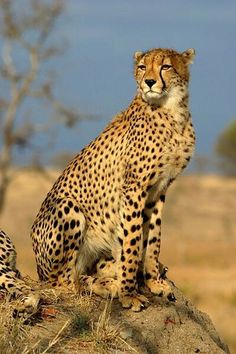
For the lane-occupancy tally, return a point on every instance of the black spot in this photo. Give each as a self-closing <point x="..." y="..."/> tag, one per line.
<point x="153" y="240"/>
<point x="133" y="228"/>
<point x="66" y="226"/>
<point x="133" y="242"/>
<point x="77" y="235"/>
<point x="57" y="252"/>
<point x="72" y="224"/>
<point x="66" y="210"/>
<point x="76" y="209"/>
<point x="70" y="204"/>
<point x="152" y="175"/>
<point x="150" y="205"/>
<point x="158" y="221"/>
<point x="143" y="194"/>
<point x="151" y="226"/>
<point x="162" y="198"/>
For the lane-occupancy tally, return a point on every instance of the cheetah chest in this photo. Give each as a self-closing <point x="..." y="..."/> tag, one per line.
<point x="175" y="157"/>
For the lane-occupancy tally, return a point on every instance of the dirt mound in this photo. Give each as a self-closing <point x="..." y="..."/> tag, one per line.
<point x="169" y="328"/>
<point x="68" y="323"/>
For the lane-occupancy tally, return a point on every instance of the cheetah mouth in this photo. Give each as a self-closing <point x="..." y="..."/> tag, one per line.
<point x="154" y="97"/>
<point x="155" y="93"/>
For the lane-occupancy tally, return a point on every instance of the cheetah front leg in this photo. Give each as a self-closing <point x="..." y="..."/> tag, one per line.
<point x="131" y="252"/>
<point x="152" y="272"/>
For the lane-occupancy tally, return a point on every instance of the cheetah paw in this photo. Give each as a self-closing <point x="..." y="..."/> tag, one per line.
<point x="135" y="302"/>
<point x="160" y="288"/>
<point x="26" y="306"/>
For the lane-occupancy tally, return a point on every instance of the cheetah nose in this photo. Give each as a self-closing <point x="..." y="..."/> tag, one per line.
<point x="150" y="82"/>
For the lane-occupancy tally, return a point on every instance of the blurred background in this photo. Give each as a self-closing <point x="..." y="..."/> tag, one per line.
<point x="66" y="69"/>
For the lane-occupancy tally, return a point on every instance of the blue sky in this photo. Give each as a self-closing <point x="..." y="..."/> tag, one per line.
<point x="96" y="72"/>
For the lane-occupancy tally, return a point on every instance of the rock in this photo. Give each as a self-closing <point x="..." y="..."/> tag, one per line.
<point x="126" y="333"/>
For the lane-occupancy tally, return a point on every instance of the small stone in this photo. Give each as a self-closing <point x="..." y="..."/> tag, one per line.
<point x="126" y="333"/>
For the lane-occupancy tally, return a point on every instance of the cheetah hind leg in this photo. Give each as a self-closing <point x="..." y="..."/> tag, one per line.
<point x="106" y="267"/>
<point x="105" y="287"/>
<point x="103" y="281"/>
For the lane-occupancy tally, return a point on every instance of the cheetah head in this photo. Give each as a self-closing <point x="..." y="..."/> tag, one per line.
<point x="162" y="74"/>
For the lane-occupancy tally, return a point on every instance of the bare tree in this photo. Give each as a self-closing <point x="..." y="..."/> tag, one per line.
<point x="27" y="26"/>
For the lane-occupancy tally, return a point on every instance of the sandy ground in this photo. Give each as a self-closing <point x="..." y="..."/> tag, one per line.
<point x="198" y="245"/>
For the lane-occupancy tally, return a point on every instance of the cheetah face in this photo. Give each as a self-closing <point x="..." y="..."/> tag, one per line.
<point x="162" y="73"/>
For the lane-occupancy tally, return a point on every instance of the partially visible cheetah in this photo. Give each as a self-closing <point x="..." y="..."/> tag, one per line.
<point x="10" y="278"/>
<point x="108" y="202"/>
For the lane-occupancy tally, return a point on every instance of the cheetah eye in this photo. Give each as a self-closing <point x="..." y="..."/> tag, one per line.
<point x="165" y="67"/>
<point x="141" y="67"/>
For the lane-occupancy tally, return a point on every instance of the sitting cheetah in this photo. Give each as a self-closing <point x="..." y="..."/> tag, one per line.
<point x="108" y="202"/>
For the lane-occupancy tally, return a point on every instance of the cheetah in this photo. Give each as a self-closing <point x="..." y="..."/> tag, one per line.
<point x="11" y="281"/>
<point x="106" y="206"/>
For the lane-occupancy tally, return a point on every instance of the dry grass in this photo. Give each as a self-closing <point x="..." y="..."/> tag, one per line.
<point x="199" y="246"/>
<point x="12" y="333"/>
<point x="67" y="324"/>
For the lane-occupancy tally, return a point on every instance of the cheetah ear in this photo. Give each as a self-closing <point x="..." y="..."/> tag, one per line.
<point x="189" y="55"/>
<point x="137" y="56"/>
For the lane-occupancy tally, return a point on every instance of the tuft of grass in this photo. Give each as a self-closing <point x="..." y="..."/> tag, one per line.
<point x="14" y="336"/>
<point x="80" y="325"/>
<point x="104" y="333"/>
